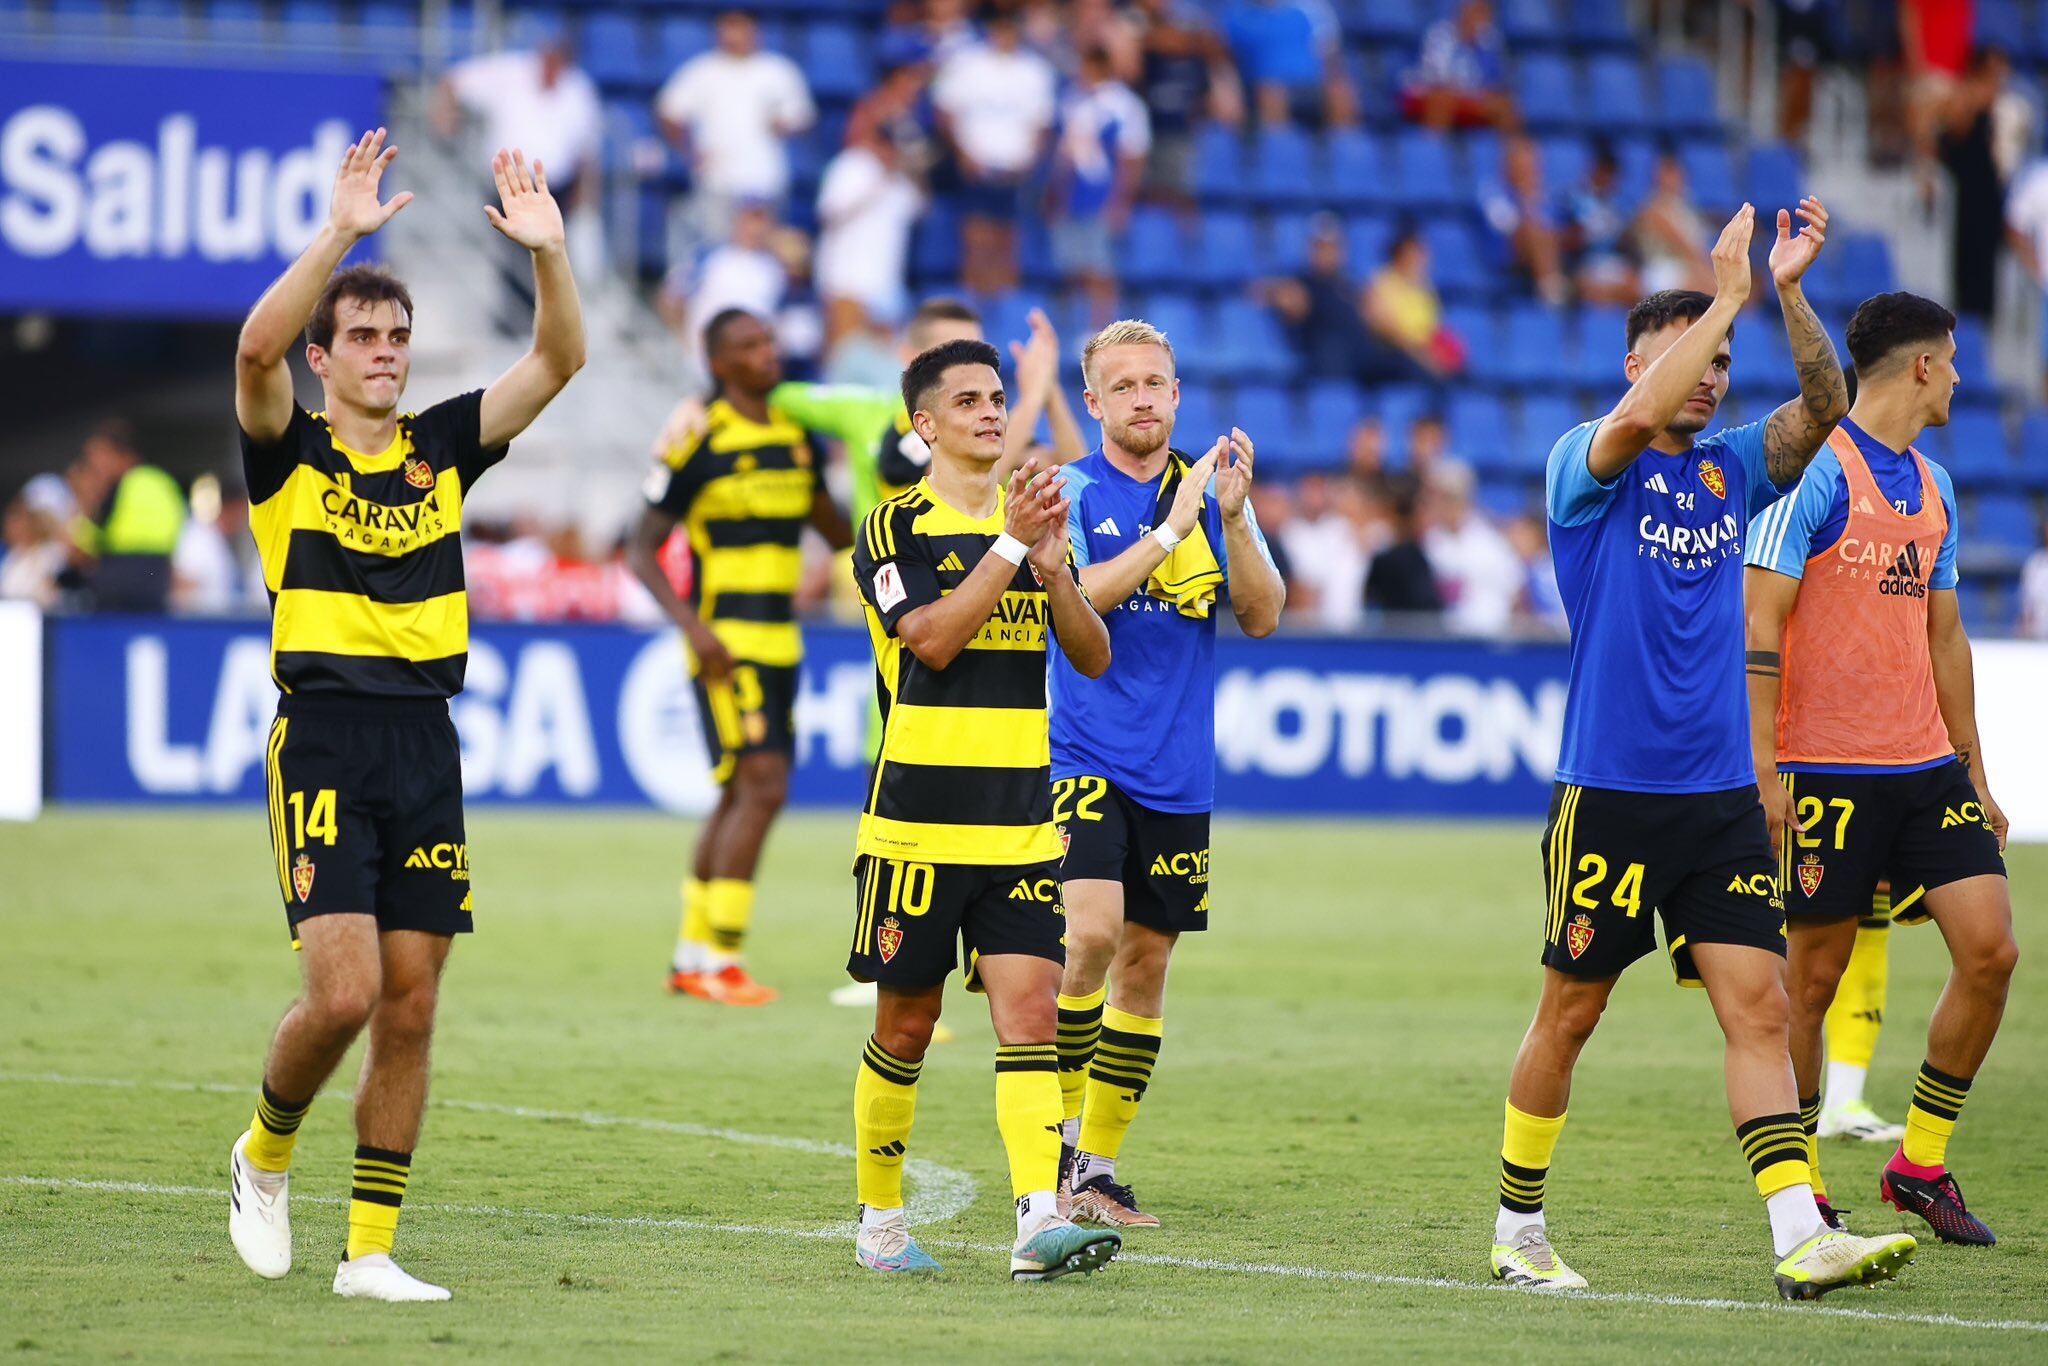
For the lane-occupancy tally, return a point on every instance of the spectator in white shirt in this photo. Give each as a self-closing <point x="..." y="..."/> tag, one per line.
<point x="1478" y="570"/>
<point x="868" y="203"/>
<point x="2026" y="224"/>
<point x="215" y="571"/>
<point x="995" y="102"/>
<point x="731" y="111"/>
<point x="543" y="104"/>
<point x="2034" y="593"/>
<point x="1105" y="137"/>
<point x="743" y="272"/>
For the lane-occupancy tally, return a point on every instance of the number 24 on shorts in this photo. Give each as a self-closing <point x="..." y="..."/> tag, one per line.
<point x="1628" y="888"/>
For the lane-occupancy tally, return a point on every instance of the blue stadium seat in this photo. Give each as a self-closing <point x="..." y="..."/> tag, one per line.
<point x="1179" y="316"/>
<point x="1973" y="359"/>
<point x="1479" y="328"/>
<point x="679" y="38"/>
<point x="836" y="61"/>
<point x="612" y="53"/>
<point x="2001" y="523"/>
<point x="1566" y="159"/>
<point x="1685" y="95"/>
<point x="1477" y="424"/>
<point x="232" y="20"/>
<point x="1483" y="153"/>
<point x="1529" y="23"/>
<point x="1973" y="449"/>
<point x="1328" y="412"/>
<point x="1365" y="244"/>
<point x="1384" y="21"/>
<point x="386" y="22"/>
<point x="935" y="245"/>
<point x="1284" y="247"/>
<point x="2003" y="23"/>
<point x="1598" y="23"/>
<point x="1762" y="353"/>
<point x="1544" y="418"/>
<point x="1425" y="173"/>
<point x="1220" y="172"/>
<point x="1257" y="347"/>
<point x="1614" y="86"/>
<point x="1357" y="172"/>
<point x="82" y="18"/>
<point x="1199" y="420"/>
<point x="1547" y="90"/>
<point x="1854" y="267"/>
<point x="529" y="27"/>
<point x="1226" y="248"/>
<point x="1602" y="342"/>
<point x="1777" y="180"/>
<point x="1457" y="261"/>
<point x="1285" y="167"/>
<point x="157" y="18"/>
<point x="2032" y="469"/>
<point x="1267" y="415"/>
<point x="1711" y="176"/>
<point x="1397" y="406"/>
<point x="1533" y="338"/>
<point x="1152" y="251"/>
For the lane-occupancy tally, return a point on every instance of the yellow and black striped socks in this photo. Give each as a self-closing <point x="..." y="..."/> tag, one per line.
<point x="1080" y="1029"/>
<point x="373" y="1202"/>
<point x="1775" y="1148"/>
<point x="1117" y="1077"/>
<point x="1526" y="1144"/>
<point x="1931" y="1120"/>
<point x="1809" y="1120"/>
<point x="1028" y="1115"/>
<point x="729" y="907"/>
<point x="273" y="1131"/>
<point x="884" y="1108"/>
<point x="693" y="939"/>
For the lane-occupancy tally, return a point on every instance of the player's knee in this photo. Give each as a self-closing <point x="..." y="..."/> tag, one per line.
<point x="1991" y="964"/>
<point x="342" y="1007"/>
<point x="1573" y="1019"/>
<point x="1812" y="989"/>
<point x="1091" y="942"/>
<point x="904" y="1025"/>
<point x="761" y="790"/>
<point x="409" y="1009"/>
<point x="1763" y="1015"/>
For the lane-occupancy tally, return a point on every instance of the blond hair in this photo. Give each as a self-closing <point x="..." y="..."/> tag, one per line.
<point x="1123" y="332"/>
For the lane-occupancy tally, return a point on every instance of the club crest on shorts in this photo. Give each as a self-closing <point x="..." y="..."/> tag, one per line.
<point x="1810" y="874"/>
<point x="1066" y="842"/>
<point x="1711" y="476"/>
<point x="419" y="474"/>
<point x="889" y="937"/>
<point x="302" y="877"/>
<point x="1578" y="936"/>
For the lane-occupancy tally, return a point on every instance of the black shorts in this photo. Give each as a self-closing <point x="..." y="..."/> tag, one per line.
<point x="366" y="812"/>
<point x="908" y="916"/>
<point x="751" y="709"/>
<point x="1160" y="857"/>
<point x="1700" y="861"/>
<point x="1920" y="830"/>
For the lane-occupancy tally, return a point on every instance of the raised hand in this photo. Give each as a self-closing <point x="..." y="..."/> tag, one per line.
<point x="1187" y="499"/>
<point x="1049" y="555"/>
<point x="1731" y="257"/>
<point x="530" y="215"/>
<point x="354" y="209"/>
<point x="1234" y="476"/>
<point x="1792" y="255"/>
<point x="1027" y="511"/>
<point x="1038" y="359"/>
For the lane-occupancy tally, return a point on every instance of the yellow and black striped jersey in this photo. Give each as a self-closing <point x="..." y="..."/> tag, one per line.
<point x="965" y="774"/>
<point x="743" y="490"/>
<point x="362" y="554"/>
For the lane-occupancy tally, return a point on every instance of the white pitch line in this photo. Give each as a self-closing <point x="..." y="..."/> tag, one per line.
<point x="938" y="1193"/>
<point x="1314" y="1273"/>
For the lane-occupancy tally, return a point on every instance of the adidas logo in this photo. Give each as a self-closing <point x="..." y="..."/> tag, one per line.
<point x="1107" y="527"/>
<point x="952" y="562"/>
<point x="887" y="1150"/>
<point x="1904" y="579"/>
<point x="1863" y="505"/>
<point x="467" y="898"/>
<point x="1655" y="484"/>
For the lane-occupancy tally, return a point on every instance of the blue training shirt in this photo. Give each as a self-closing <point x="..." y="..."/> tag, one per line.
<point x="1811" y="518"/>
<point x="1149" y="724"/>
<point x="1650" y="569"/>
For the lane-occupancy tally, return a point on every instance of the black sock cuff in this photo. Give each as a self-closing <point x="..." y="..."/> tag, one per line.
<point x="1936" y="1075"/>
<point x="278" y="1115"/>
<point x="1027" y="1057"/>
<point x="1809" y="1113"/>
<point x="888" y="1066"/>
<point x="365" y="1153"/>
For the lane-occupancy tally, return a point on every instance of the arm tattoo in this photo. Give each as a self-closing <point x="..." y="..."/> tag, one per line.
<point x="1964" y="753"/>
<point x="1761" y="663"/>
<point x="1796" y="430"/>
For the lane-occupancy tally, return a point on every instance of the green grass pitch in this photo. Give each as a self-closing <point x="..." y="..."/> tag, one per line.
<point x="611" y="1173"/>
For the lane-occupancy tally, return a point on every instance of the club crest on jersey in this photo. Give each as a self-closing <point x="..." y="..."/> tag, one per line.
<point x="1711" y="476"/>
<point x="1578" y="936"/>
<point x="302" y="877"/>
<point x="419" y="474"/>
<point x="889" y="937"/>
<point x="1810" y="874"/>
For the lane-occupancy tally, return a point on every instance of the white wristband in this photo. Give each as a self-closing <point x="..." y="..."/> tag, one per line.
<point x="1010" y="548"/>
<point x="1167" y="540"/>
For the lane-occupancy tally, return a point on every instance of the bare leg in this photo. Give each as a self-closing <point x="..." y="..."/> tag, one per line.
<point x="1818" y="954"/>
<point x="1975" y="916"/>
<point x="342" y="980"/>
<point x="1747" y="988"/>
<point x="1566" y="1014"/>
<point x="1138" y="978"/>
<point x="759" y="786"/>
<point x="1095" y="920"/>
<point x="392" y="1093"/>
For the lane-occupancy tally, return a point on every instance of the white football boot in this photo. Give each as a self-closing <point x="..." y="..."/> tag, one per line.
<point x="377" y="1277"/>
<point x="259" y="1214"/>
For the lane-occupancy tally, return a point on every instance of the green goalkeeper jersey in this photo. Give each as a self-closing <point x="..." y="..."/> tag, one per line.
<point x="883" y="454"/>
